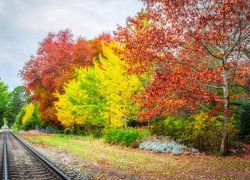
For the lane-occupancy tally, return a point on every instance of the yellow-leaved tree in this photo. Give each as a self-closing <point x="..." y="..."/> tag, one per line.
<point x="100" y="96"/>
<point x="118" y="87"/>
<point x="31" y="117"/>
<point x="29" y="109"/>
<point x="65" y="112"/>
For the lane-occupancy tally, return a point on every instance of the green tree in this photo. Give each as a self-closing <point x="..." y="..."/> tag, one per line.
<point x="4" y="99"/>
<point x="82" y="102"/>
<point x="18" y="121"/>
<point x="27" y="118"/>
<point x="18" y="99"/>
<point x="31" y="117"/>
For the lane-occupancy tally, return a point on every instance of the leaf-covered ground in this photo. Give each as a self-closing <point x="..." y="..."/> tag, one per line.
<point x="87" y="153"/>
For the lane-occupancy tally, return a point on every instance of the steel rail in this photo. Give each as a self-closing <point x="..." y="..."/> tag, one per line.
<point x="39" y="157"/>
<point x="5" y="158"/>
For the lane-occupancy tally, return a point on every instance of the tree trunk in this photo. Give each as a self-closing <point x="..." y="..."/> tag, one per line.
<point x="224" y="141"/>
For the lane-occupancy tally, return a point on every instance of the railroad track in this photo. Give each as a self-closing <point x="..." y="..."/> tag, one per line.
<point x="21" y="161"/>
<point x="1" y="156"/>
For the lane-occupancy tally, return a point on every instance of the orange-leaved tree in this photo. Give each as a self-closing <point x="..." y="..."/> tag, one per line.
<point x="54" y="64"/>
<point x="199" y="50"/>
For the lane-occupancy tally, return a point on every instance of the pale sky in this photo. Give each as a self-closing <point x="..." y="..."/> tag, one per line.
<point x="25" y="23"/>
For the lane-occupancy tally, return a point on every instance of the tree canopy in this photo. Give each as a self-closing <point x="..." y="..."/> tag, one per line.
<point x="183" y="59"/>
<point x="101" y="95"/>
<point x="54" y="64"/>
<point x="195" y="46"/>
<point x="17" y="100"/>
<point x="4" y="99"/>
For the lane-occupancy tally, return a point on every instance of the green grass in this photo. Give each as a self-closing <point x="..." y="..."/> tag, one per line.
<point x="140" y="162"/>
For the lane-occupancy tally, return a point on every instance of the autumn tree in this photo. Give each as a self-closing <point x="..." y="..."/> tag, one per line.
<point x="101" y="96"/>
<point x="82" y="103"/>
<point x="31" y="117"/>
<point x="97" y="42"/>
<point x="118" y="87"/>
<point x="54" y="64"/>
<point x="200" y="51"/>
<point x="27" y="118"/>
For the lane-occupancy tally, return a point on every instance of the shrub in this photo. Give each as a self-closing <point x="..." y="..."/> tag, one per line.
<point x="201" y="130"/>
<point x="122" y="137"/>
<point x="94" y="130"/>
<point x="244" y="120"/>
<point x="166" y="146"/>
<point x="144" y="131"/>
<point x="204" y="131"/>
<point x="170" y="126"/>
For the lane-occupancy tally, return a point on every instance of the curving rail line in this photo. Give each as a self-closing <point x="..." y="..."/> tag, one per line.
<point x="31" y="151"/>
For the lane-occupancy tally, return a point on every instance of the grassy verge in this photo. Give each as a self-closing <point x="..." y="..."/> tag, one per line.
<point x="144" y="163"/>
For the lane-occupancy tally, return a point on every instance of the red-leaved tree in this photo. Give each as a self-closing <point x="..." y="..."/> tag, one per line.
<point x="199" y="50"/>
<point x="52" y="66"/>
